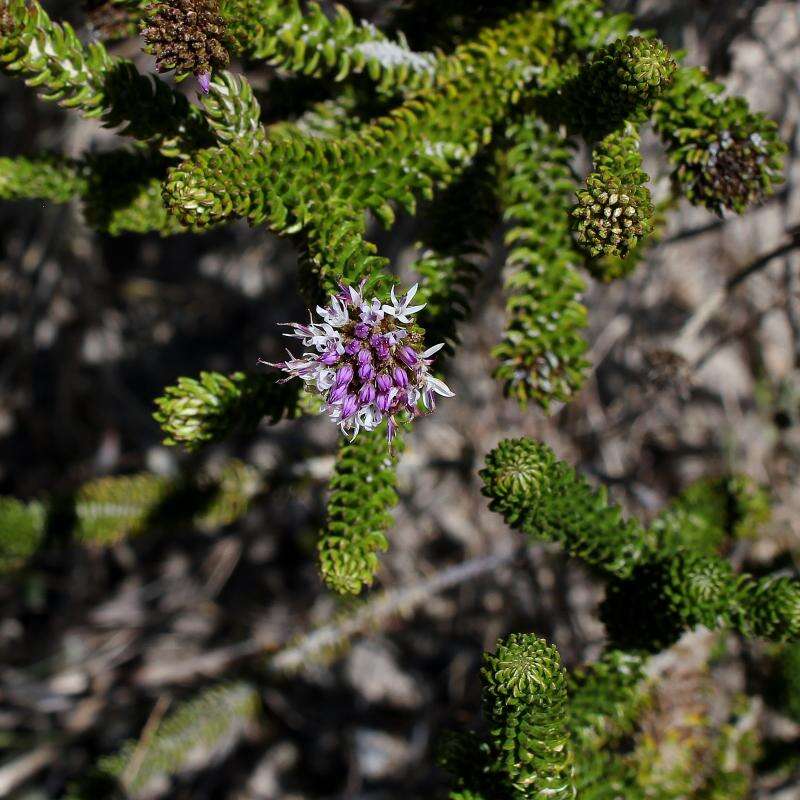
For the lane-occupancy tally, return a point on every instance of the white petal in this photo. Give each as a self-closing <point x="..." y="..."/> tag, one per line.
<point x="356" y="425"/>
<point x="325" y="379"/>
<point x="370" y="417"/>
<point x="396" y="336"/>
<point x="431" y="350"/>
<point x="411" y="292"/>
<point x="440" y="387"/>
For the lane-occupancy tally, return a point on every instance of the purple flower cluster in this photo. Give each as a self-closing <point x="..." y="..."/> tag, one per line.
<point x="366" y="360"/>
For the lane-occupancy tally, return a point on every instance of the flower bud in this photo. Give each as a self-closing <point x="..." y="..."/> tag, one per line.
<point x="350" y="406"/>
<point x="367" y="394"/>
<point x="344" y="375"/>
<point x="329" y="358"/>
<point x="384" y="401"/>
<point x="380" y="346"/>
<point x="384" y="382"/>
<point x="337" y="393"/>
<point x="408" y="356"/>
<point x="366" y="372"/>
<point x="400" y="377"/>
<point x="364" y="357"/>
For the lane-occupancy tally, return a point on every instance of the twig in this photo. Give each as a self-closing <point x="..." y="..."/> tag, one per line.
<point x="759" y="264"/>
<point x="209" y="664"/>
<point x="21" y="769"/>
<point x="149" y="729"/>
<point x="699" y="360"/>
<point x="385" y="605"/>
<point x="793" y="317"/>
<point x="714" y="302"/>
<point x="709" y="227"/>
<point x="686" y="343"/>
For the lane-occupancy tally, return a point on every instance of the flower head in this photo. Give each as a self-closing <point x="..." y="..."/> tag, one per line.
<point x="188" y="36"/>
<point x="366" y="361"/>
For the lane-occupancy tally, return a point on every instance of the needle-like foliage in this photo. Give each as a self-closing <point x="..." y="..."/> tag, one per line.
<point x="658" y="585"/>
<point x="105" y="511"/>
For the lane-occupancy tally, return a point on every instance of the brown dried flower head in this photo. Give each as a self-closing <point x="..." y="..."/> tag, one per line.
<point x="7" y="22"/>
<point x="187" y="36"/>
<point x="732" y="173"/>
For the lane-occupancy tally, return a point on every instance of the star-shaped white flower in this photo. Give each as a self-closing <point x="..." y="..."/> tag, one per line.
<point x="336" y="314"/>
<point x="401" y="309"/>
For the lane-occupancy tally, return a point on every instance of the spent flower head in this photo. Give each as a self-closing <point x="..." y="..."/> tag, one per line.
<point x="365" y="358"/>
